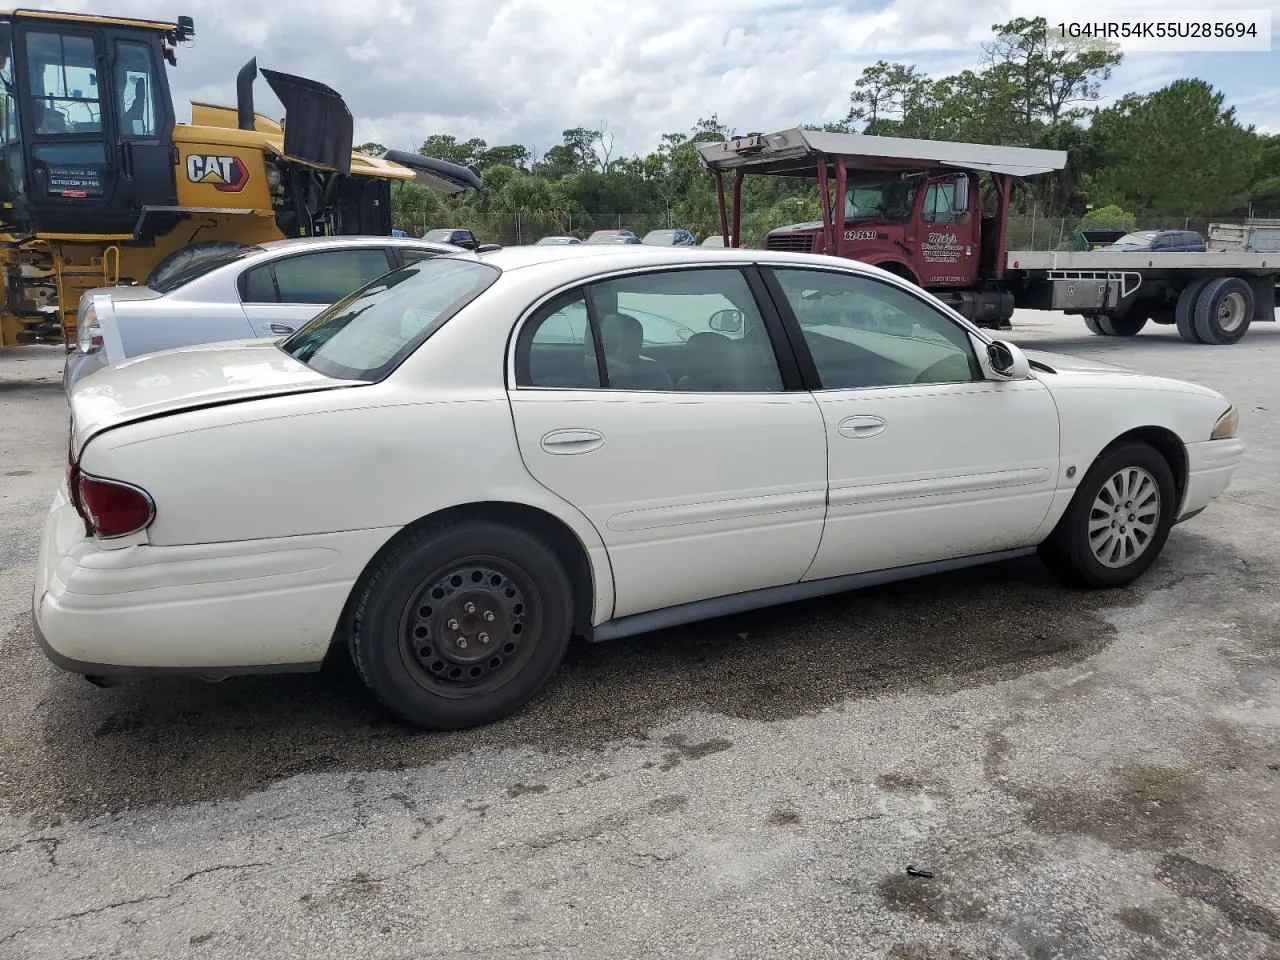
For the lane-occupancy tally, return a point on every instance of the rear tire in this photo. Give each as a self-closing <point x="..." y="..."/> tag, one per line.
<point x="1224" y="311"/>
<point x="1184" y="314"/>
<point x="462" y="624"/>
<point x="1095" y="326"/>
<point x="1118" y="520"/>
<point x="189" y="256"/>
<point x="1127" y="326"/>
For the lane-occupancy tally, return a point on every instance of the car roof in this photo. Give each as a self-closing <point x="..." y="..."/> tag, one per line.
<point x="311" y="243"/>
<point x="587" y="260"/>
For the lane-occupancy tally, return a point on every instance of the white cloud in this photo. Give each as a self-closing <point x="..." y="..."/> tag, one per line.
<point x="524" y="70"/>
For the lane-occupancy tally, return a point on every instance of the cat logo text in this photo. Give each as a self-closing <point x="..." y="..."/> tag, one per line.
<point x="228" y="174"/>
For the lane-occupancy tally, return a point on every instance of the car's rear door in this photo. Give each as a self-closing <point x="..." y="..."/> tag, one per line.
<point x="281" y="295"/>
<point x="702" y="485"/>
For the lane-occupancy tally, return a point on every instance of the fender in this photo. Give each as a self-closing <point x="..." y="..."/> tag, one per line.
<point x="898" y="268"/>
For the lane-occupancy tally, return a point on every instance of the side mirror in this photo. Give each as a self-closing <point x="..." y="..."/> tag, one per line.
<point x="1007" y="362"/>
<point x="726" y="321"/>
<point x="960" y="199"/>
<point x="486" y="247"/>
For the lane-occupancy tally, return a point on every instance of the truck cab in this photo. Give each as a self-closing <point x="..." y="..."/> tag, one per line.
<point x="88" y="121"/>
<point x="923" y="224"/>
<point x="912" y="207"/>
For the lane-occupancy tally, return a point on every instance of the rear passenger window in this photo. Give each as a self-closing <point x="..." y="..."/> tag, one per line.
<point x="258" y="286"/>
<point x="315" y="277"/>
<point x="687" y="330"/>
<point x="557" y="349"/>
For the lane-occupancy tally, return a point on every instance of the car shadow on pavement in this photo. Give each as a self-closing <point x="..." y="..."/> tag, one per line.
<point x="76" y="751"/>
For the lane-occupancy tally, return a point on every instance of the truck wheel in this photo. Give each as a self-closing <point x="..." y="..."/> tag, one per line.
<point x="189" y="256"/>
<point x="1184" y="314"/>
<point x="1118" y="520"/>
<point x="1091" y="321"/>
<point x="1224" y="311"/>
<point x="1122" y="326"/>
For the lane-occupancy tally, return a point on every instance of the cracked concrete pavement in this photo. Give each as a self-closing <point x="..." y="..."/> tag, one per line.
<point x="1067" y="774"/>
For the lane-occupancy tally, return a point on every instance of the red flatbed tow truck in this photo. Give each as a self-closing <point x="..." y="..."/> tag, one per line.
<point x="915" y="208"/>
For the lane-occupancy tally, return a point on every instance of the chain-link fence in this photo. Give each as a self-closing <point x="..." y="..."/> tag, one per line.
<point x="510" y="228"/>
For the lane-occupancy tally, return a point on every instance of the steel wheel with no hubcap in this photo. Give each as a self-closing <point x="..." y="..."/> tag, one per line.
<point x="1124" y="517"/>
<point x="1231" y="312"/>
<point x="460" y="635"/>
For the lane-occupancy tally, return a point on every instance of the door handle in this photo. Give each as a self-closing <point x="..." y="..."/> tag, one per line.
<point x="280" y="328"/>
<point x="572" y="441"/>
<point x="856" y="428"/>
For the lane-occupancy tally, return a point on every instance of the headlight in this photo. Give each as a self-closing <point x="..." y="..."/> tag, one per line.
<point x="1225" y="428"/>
<point x="273" y="176"/>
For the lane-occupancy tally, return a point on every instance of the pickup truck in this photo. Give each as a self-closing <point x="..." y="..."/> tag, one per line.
<point x="254" y="292"/>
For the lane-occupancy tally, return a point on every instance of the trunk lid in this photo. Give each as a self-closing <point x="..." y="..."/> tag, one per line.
<point x="168" y="382"/>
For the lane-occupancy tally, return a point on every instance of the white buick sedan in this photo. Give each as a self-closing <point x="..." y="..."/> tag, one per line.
<point x="486" y="455"/>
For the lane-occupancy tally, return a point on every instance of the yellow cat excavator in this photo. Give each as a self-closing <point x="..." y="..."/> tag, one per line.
<point x="99" y="184"/>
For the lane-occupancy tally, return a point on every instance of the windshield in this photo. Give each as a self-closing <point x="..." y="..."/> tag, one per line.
<point x="201" y="267"/>
<point x="442" y="235"/>
<point x="888" y="198"/>
<point x="367" y="335"/>
<point x="11" y="170"/>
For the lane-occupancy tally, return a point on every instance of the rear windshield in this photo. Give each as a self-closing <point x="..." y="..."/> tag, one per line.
<point x="200" y="268"/>
<point x="367" y="335"/>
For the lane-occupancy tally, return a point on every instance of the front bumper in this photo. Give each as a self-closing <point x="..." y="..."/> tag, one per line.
<point x="1210" y="467"/>
<point x="207" y="609"/>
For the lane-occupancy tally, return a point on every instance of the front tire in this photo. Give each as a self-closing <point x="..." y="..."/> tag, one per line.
<point x="1128" y="326"/>
<point x="1118" y="520"/>
<point x="462" y="624"/>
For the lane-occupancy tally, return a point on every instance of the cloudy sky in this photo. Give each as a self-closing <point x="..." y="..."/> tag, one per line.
<point x="523" y="70"/>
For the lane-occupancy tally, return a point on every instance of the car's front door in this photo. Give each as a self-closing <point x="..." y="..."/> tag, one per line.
<point x="928" y="460"/>
<point x="280" y="296"/>
<point x="704" y="470"/>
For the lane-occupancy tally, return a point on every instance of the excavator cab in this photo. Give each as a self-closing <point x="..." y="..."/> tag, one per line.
<point x="88" y="121"/>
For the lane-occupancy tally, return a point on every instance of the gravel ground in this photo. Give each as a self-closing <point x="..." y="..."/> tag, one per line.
<point x="970" y="766"/>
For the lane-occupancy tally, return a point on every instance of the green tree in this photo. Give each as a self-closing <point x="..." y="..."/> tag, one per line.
<point x="515" y="155"/>
<point x="1178" y="152"/>
<point x="444" y="146"/>
<point x="372" y="148"/>
<point x="1046" y="79"/>
<point x="1109" y="216"/>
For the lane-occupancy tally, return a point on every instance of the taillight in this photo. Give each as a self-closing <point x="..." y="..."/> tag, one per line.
<point x="110" y="508"/>
<point x="89" y="339"/>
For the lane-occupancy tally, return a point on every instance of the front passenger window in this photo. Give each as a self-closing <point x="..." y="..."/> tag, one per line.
<point x="863" y="332"/>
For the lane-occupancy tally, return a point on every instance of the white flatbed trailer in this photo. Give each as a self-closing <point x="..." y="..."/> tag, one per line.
<point x="1211" y="297"/>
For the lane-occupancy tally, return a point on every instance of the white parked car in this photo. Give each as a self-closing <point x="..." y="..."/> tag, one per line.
<point x="265" y="290"/>
<point x="469" y="487"/>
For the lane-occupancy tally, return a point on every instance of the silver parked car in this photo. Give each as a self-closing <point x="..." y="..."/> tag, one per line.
<point x="263" y="291"/>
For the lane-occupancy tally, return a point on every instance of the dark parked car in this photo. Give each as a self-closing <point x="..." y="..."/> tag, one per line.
<point x="455" y="235"/>
<point x="670" y="238"/>
<point x="1163" y="241"/>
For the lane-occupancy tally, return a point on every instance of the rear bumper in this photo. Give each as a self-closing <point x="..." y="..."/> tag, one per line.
<point x="209" y="609"/>
<point x="1210" y="467"/>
